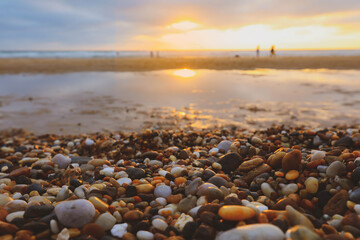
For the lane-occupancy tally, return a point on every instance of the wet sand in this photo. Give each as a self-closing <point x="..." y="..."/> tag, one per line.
<point x="63" y="65"/>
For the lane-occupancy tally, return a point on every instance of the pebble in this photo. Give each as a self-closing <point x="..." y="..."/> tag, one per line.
<point x="253" y="232"/>
<point x="162" y="191"/>
<point x="312" y="185"/>
<point x="292" y="175"/>
<point x="335" y="168"/>
<point x="336" y="204"/>
<point x="124" y="180"/>
<point x="317" y="155"/>
<point x="182" y="221"/>
<point x="10" y="217"/>
<point x="144" y="235"/>
<point x="224" y="145"/>
<point x="355" y="195"/>
<point x="301" y="233"/>
<point x="230" y="162"/>
<point x="159" y="224"/>
<point x="291" y="160"/>
<point x="75" y="213"/>
<point x="289" y="189"/>
<point x="118" y="230"/>
<point x="296" y="218"/>
<point x="62" y="161"/>
<point x="106" y="221"/>
<point x="236" y="213"/>
<point x="267" y="189"/>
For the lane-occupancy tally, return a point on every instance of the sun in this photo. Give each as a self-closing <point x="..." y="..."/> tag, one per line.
<point x="185" y="73"/>
<point x="183" y="25"/>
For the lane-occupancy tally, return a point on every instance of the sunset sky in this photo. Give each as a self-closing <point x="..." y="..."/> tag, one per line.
<point x="179" y="25"/>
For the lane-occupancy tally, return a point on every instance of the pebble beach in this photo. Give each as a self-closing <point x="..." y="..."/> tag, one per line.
<point x="278" y="183"/>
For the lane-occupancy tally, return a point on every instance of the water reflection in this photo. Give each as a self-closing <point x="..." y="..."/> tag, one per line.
<point x="184" y="73"/>
<point x="131" y="101"/>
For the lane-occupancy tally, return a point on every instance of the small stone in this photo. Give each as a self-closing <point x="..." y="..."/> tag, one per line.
<point x="182" y="221"/>
<point x="89" y="142"/>
<point x="256" y="141"/>
<point x="250" y="164"/>
<point x="99" y="204"/>
<point x="145" y="188"/>
<point x="37" y="210"/>
<point x="296" y="218"/>
<point x="93" y="229"/>
<point x="15" y="206"/>
<point x="256" y="172"/>
<point x="187" y="203"/>
<point x="7" y="228"/>
<point x="62" y="161"/>
<point x="75" y="213"/>
<point x="224" y="145"/>
<point x="275" y="160"/>
<point x="230" y="162"/>
<point x="337" y="204"/>
<point x="218" y="181"/>
<point x="291" y="161"/>
<point x="118" y="230"/>
<point x="125" y="180"/>
<point x="312" y="185"/>
<point x="133" y="215"/>
<point x="63" y="235"/>
<point x="261" y="231"/>
<point x="336" y="168"/>
<point x="162" y="191"/>
<point x="292" y="175"/>
<point x="267" y="189"/>
<point x="10" y="217"/>
<point x="236" y="213"/>
<point x="4" y="199"/>
<point x="204" y="232"/>
<point x="345" y="141"/>
<point x="135" y="173"/>
<point x="106" y="221"/>
<point x="19" y="171"/>
<point x="159" y="224"/>
<point x="355" y="195"/>
<point x="289" y="188"/>
<point x="192" y="188"/>
<point x="301" y="233"/>
<point x="317" y="155"/>
<point x="212" y="193"/>
<point x="144" y="235"/>
<point x="355" y="175"/>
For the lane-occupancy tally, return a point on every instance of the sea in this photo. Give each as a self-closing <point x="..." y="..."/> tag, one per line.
<point x="126" y="54"/>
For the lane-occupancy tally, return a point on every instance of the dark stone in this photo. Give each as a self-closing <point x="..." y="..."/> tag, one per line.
<point x="148" y="197"/>
<point x="281" y="223"/>
<point x="353" y="230"/>
<point x="131" y="191"/>
<point x="333" y="236"/>
<point x="232" y="201"/>
<point x="323" y="196"/>
<point x="281" y="204"/>
<point x="80" y="160"/>
<point x="211" y="207"/>
<point x="151" y="155"/>
<point x="337" y="204"/>
<point x="204" y="232"/>
<point x="18" y="222"/>
<point x="135" y="173"/>
<point x="355" y="195"/>
<point x="209" y="218"/>
<point x="189" y="230"/>
<point x="23" y="180"/>
<point x="230" y="162"/>
<point x="218" y="181"/>
<point x="207" y="174"/>
<point x="37" y="210"/>
<point x="355" y="175"/>
<point x="48" y="218"/>
<point x="183" y="155"/>
<point x="345" y="142"/>
<point x="35" y="227"/>
<point x="36" y="187"/>
<point x="170" y="177"/>
<point x="75" y="183"/>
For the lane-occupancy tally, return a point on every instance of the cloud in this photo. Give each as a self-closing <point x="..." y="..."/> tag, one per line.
<point x="139" y="24"/>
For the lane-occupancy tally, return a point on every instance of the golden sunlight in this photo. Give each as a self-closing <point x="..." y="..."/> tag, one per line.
<point x="183" y="25"/>
<point x="185" y="73"/>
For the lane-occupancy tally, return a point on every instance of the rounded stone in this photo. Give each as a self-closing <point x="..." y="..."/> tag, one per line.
<point x="312" y="185"/>
<point x="355" y="195"/>
<point x="335" y="168"/>
<point x="291" y="160"/>
<point x="301" y="233"/>
<point x="61" y="160"/>
<point x="118" y="230"/>
<point x="261" y="231"/>
<point x="93" y="229"/>
<point x="75" y="213"/>
<point x="224" y="145"/>
<point x="230" y="162"/>
<point x="292" y="175"/>
<point x="144" y="235"/>
<point x="106" y="221"/>
<point x="162" y="191"/>
<point x="159" y="224"/>
<point x="236" y="213"/>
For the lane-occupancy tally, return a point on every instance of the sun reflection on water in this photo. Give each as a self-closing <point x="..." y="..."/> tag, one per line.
<point x="184" y="73"/>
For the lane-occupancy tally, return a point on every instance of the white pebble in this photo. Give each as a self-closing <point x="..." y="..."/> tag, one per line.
<point x="162" y="191"/>
<point x="89" y="142"/>
<point x="12" y="216"/>
<point x="54" y="227"/>
<point x="121" y="181"/>
<point x="290" y="188"/>
<point x="118" y="230"/>
<point x="161" y="201"/>
<point x="144" y="235"/>
<point x="357" y="209"/>
<point x="316" y="155"/>
<point x="159" y="224"/>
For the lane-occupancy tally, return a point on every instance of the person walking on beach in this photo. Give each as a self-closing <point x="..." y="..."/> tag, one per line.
<point x="258" y="51"/>
<point x="151" y="54"/>
<point x="272" y="51"/>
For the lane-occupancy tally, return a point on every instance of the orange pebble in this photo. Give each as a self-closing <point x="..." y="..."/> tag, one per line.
<point x="292" y="175"/>
<point x="236" y="212"/>
<point x="180" y="180"/>
<point x="279" y="174"/>
<point x="161" y="178"/>
<point x="137" y="199"/>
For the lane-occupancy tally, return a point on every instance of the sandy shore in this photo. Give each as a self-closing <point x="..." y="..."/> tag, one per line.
<point x="62" y="65"/>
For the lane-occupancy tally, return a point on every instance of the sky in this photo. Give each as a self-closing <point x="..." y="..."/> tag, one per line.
<point x="179" y="24"/>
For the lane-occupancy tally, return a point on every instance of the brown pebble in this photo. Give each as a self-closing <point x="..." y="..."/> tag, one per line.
<point x="133" y="215"/>
<point x="337" y="204"/>
<point x="93" y="229"/>
<point x="291" y="161"/>
<point x="6" y="228"/>
<point x="255" y="172"/>
<point x="20" y="171"/>
<point x="3" y="214"/>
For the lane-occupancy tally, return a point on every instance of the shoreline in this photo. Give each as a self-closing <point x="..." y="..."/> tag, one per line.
<point x="68" y="65"/>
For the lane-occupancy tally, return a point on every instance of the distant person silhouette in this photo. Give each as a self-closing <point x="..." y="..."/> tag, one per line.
<point x="157" y="54"/>
<point x="258" y="51"/>
<point x="151" y="54"/>
<point x="272" y="51"/>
